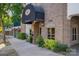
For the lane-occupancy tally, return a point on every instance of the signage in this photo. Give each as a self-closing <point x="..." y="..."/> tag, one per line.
<point x="27" y="12"/>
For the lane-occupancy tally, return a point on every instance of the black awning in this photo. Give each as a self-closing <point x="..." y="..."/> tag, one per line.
<point x="32" y="13"/>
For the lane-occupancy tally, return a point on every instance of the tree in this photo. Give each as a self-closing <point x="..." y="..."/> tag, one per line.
<point x="3" y="11"/>
<point x="7" y="21"/>
<point x="16" y="10"/>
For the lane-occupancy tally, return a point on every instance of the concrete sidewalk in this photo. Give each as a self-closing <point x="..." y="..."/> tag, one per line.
<point x="24" y="48"/>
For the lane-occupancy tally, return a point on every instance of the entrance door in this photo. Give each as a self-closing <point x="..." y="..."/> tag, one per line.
<point x="75" y="34"/>
<point x="35" y="30"/>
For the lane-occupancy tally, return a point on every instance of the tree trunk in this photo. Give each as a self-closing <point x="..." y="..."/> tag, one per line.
<point x="4" y="38"/>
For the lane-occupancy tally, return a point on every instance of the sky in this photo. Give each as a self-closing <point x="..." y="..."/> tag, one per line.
<point x="73" y="8"/>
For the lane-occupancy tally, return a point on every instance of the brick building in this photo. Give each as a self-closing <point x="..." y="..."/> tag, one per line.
<point x="51" y="21"/>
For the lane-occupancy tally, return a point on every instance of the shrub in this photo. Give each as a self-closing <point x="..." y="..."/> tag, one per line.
<point x="40" y="41"/>
<point x="49" y="43"/>
<point x="21" y="35"/>
<point x="55" y="46"/>
<point x="30" y="39"/>
<point x="60" y="48"/>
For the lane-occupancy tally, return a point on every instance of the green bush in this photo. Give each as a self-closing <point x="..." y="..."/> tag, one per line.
<point x="40" y="41"/>
<point x="49" y="43"/>
<point x="21" y="35"/>
<point x="55" y="46"/>
<point x="30" y="39"/>
<point x="60" y="48"/>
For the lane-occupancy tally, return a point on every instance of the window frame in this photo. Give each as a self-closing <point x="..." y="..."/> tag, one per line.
<point x="74" y="33"/>
<point x="51" y="35"/>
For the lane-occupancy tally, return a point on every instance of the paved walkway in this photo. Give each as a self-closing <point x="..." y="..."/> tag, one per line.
<point x="24" y="48"/>
<point x="76" y="49"/>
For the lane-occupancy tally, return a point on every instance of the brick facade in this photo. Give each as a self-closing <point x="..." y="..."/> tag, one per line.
<point x="56" y="17"/>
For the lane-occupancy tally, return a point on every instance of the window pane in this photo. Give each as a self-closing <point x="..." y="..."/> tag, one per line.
<point x="53" y="31"/>
<point x="75" y="37"/>
<point x="75" y="31"/>
<point x="72" y="37"/>
<point x="40" y="31"/>
<point x="48" y="36"/>
<point x="53" y="35"/>
<point x="48" y="30"/>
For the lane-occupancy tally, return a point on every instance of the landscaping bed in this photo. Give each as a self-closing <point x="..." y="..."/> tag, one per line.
<point x="50" y="44"/>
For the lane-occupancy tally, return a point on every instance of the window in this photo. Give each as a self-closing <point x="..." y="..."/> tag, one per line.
<point x="40" y="31"/>
<point x="74" y="33"/>
<point x="51" y="33"/>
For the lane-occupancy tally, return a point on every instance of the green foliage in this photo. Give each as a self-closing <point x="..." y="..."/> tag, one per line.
<point x="7" y="21"/>
<point x="5" y="15"/>
<point x="16" y="10"/>
<point x="40" y="41"/>
<point x="4" y="7"/>
<point x="21" y="35"/>
<point x="30" y="39"/>
<point x="60" y="48"/>
<point x="49" y="43"/>
<point x="55" y="46"/>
